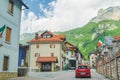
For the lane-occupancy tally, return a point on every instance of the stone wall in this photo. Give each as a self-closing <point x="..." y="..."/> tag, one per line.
<point x="7" y="75"/>
<point x="22" y="71"/>
<point x="110" y="69"/>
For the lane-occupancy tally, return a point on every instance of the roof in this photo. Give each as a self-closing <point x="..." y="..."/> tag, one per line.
<point x="22" y="3"/>
<point x="46" y="59"/>
<point x="116" y="37"/>
<point x="52" y="38"/>
<point x="108" y="40"/>
<point x="70" y="46"/>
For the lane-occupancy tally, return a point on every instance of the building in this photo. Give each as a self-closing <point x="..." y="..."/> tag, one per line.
<point x="104" y="48"/>
<point x="23" y="59"/>
<point x="47" y="52"/>
<point x="73" y="56"/>
<point x="70" y="56"/>
<point x="10" y="19"/>
<point x="92" y="59"/>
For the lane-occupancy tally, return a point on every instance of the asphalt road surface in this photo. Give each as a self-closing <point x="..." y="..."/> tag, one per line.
<point x="60" y="75"/>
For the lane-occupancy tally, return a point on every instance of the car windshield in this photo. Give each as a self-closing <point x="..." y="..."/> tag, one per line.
<point x="82" y="67"/>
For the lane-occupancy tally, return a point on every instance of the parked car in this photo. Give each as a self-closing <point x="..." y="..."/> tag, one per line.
<point x="83" y="71"/>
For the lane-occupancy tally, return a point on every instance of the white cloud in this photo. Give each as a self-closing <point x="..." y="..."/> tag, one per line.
<point x="66" y="15"/>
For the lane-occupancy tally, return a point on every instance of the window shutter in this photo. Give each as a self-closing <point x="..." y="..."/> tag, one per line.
<point x="8" y="33"/>
<point x="5" y="63"/>
<point x="10" y="7"/>
<point x="52" y="54"/>
<point x="50" y="45"/>
<point x="37" y="45"/>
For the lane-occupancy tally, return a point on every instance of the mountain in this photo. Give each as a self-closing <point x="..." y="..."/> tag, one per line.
<point x="86" y="37"/>
<point x="111" y="13"/>
<point x="25" y="37"/>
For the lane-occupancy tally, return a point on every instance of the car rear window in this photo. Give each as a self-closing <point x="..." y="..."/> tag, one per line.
<point x="82" y="67"/>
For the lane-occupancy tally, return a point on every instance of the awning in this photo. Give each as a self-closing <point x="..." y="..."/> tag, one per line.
<point x="46" y="59"/>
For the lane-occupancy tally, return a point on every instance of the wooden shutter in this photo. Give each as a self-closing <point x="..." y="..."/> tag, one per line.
<point x="54" y="45"/>
<point x="5" y="63"/>
<point x="37" y="45"/>
<point x="10" y="7"/>
<point x="52" y="54"/>
<point x="50" y="45"/>
<point x="8" y="33"/>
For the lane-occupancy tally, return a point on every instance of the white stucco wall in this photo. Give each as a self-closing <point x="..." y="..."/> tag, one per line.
<point x="71" y="57"/>
<point x="10" y="49"/>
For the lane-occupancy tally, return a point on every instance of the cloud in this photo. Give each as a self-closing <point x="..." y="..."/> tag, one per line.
<point x="64" y="15"/>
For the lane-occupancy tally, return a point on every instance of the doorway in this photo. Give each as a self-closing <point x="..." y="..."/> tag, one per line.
<point x="46" y="66"/>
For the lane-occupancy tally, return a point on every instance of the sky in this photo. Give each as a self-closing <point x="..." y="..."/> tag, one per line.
<point x="60" y="15"/>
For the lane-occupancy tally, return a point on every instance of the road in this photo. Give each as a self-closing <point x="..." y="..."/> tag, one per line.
<point x="61" y="75"/>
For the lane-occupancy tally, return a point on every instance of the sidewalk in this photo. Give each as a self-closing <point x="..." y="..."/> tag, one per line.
<point x="26" y="78"/>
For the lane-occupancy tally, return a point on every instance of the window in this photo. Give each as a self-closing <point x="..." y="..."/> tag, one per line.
<point x="5" y="63"/>
<point x="82" y="67"/>
<point x="52" y="54"/>
<point x="72" y="54"/>
<point x="8" y="34"/>
<point x="92" y="57"/>
<point x="52" y="45"/>
<point x="37" y="45"/>
<point x="37" y="54"/>
<point x="66" y="53"/>
<point x="10" y="7"/>
<point x="44" y="36"/>
<point x="92" y="62"/>
<point x="48" y="36"/>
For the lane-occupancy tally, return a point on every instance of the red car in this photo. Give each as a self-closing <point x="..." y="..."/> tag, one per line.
<point x="82" y="71"/>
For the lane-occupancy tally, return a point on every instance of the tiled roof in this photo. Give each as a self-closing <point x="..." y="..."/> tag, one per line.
<point x="54" y="38"/>
<point x="46" y="59"/>
<point x="117" y="37"/>
<point x="59" y="36"/>
<point x="70" y="46"/>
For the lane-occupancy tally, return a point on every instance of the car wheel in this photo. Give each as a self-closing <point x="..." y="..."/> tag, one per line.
<point x="76" y="77"/>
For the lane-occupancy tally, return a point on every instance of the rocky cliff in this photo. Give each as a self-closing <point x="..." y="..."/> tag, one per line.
<point x="111" y="13"/>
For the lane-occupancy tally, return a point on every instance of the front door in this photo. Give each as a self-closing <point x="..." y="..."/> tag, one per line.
<point x="46" y="66"/>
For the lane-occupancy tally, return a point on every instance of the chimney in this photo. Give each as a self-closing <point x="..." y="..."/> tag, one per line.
<point x="36" y="36"/>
